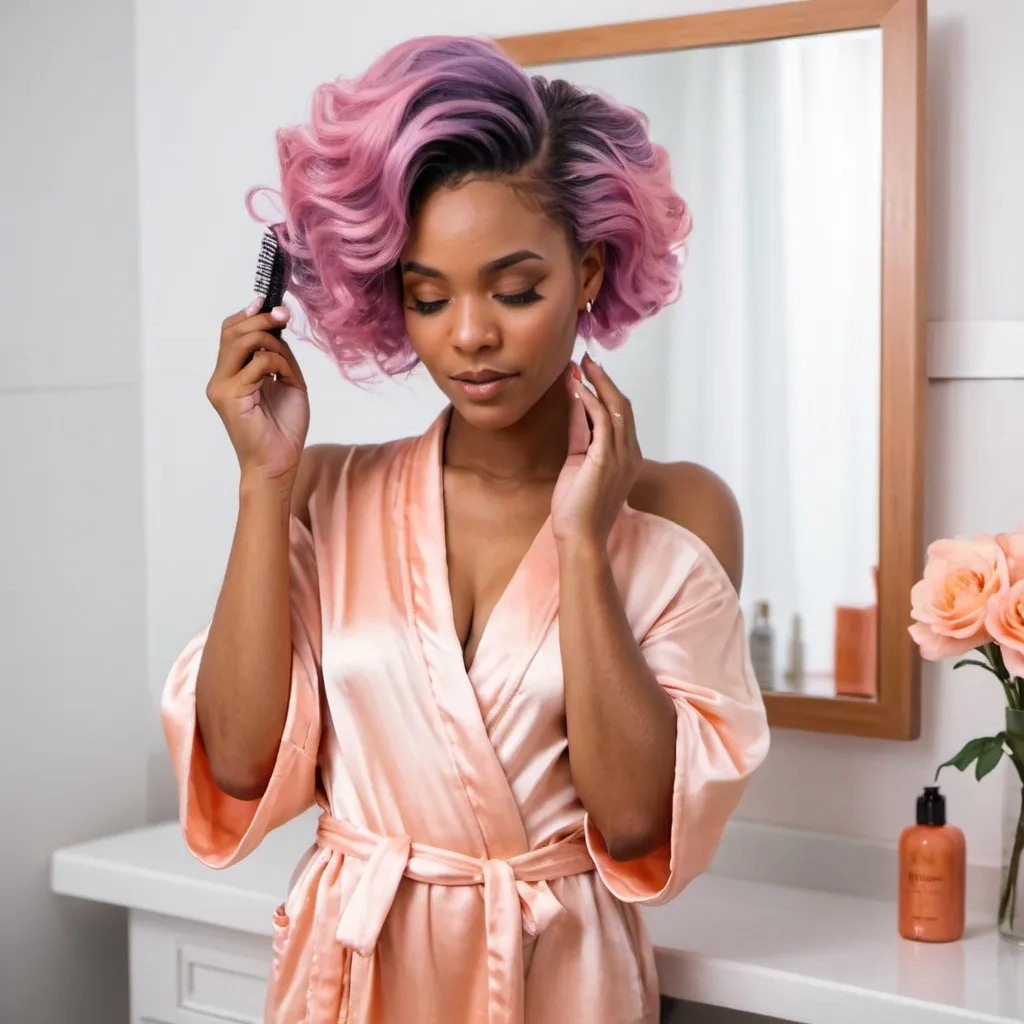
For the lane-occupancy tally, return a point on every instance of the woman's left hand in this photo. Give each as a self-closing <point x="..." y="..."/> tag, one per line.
<point x="603" y="461"/>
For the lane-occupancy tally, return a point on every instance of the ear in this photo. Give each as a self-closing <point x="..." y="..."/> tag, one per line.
<point x="591" y="272"/>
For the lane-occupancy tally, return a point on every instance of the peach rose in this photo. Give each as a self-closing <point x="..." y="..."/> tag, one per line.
<point x="1005" y="622"/>
<point x="1013" y="548"/>
<point x="951" y="603"/>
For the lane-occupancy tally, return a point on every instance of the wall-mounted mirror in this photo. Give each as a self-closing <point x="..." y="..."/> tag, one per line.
<point x="793" y="366"/>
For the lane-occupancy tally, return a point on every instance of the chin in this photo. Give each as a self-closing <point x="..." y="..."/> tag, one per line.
<point x="489" y="415"/>
<point x="496" y="414"/>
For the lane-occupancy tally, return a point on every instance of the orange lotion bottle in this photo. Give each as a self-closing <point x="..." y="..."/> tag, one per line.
<point x="933" y="864"/>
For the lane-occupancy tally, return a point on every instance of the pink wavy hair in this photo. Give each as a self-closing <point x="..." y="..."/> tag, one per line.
<point x="434" y="112"/>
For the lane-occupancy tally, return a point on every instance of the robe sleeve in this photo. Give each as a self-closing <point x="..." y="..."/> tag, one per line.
<point x="219" y="829"/>
<point x="698" y="650"/>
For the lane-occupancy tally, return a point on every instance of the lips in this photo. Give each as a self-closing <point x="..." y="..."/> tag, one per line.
<point x="482" y="385"/>
<point x="481" y="376"/>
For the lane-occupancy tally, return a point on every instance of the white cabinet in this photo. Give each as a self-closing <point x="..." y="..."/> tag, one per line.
<point x="188" y="973"/>
<point x="201" y="941"/>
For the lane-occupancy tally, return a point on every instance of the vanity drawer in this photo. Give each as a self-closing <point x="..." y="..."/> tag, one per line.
<point x="188" y="973"/>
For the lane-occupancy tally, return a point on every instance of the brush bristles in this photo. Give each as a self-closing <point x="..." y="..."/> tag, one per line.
<point x="269" y="252"/>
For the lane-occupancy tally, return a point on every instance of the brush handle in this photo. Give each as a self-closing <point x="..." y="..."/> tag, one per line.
<point x="271" y="300"/>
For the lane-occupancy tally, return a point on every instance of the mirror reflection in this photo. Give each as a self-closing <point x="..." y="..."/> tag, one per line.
<point x="768" y="369"/>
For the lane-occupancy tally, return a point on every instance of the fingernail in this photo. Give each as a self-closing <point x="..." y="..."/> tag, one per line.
<point x="575" y="371"/>
<point x="279" y="313"/>
<point x="254" y="307"/>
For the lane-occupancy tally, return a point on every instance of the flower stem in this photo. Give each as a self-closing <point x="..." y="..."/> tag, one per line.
<point x="1008" y="900"/>
<point x="995" y="657"/>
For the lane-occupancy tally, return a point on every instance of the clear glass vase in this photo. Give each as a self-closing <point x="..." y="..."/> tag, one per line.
<point x="1011" y="889"/>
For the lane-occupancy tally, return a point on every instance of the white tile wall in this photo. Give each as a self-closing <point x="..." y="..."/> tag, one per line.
<point x="72" y="743"/>
<point x="69" y="261"/>
<point x="975" y="75"/>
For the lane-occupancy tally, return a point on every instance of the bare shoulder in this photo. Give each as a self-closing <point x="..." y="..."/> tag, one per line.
<point x="317" y="462"/>
<point x="698" y="500"/>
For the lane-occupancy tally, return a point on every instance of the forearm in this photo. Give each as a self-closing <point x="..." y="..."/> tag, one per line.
<point x="244" y="679"/>
<point x="621" y="724"/>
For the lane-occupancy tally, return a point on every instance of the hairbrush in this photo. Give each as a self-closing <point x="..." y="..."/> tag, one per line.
<point x="271" y="275"/>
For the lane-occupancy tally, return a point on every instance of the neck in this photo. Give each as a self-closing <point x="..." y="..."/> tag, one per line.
<point x="534" y="446"/>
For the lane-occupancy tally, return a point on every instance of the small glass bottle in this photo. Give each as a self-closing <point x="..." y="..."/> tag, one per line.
<point x="795" y="665"/>
<point x="933" y="866"/>
<point x="762" y="647"/>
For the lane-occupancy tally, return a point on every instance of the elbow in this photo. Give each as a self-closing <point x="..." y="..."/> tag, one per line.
<point x="239" y="785"/>
<point x="234" y="775"/>
<point x="637" y="835"/>
<point x="626" y="846"/>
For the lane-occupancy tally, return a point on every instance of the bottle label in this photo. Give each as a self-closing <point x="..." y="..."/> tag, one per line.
<point x="931" y="895"/>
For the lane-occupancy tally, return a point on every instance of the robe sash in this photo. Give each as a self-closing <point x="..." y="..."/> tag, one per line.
<point x="517" y="897"/>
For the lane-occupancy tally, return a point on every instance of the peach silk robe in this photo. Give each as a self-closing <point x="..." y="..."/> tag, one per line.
<point x="455" y="877"/>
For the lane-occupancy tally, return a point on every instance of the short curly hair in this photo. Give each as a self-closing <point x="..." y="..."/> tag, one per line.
<point x="434" y="112"/>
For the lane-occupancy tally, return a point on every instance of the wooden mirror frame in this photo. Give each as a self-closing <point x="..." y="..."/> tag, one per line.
<point x="895" y="714"/>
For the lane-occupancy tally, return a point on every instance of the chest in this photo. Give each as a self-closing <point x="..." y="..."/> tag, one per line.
<point x="488" y="533"/>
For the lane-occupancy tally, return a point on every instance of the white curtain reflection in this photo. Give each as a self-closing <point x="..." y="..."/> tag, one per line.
<point x="768" y="370"/>
<point x="774" y="354"/>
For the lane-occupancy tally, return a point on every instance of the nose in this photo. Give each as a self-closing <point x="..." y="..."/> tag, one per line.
<point x="475" y="328"/>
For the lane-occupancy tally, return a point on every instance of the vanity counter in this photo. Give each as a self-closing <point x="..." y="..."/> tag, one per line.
<point x="795" y="954"/>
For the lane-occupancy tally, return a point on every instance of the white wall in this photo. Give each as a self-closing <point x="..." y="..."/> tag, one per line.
<point x="214" y="82"/>
<point x="72" y="741"/>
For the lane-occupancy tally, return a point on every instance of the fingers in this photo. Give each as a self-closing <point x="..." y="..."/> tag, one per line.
<point x="602" y="441"/>
<point x="262" y="365"/>
<point x="579" y="428"/>
<point x="247" y="347"/>
<point x="249" y="335"/>
<point x="245" y="323"/>
<point x="249" y="353"/>
<point x="234" y="355"/>
<point x="250" y="310"/>
<point x="619" y="407"/>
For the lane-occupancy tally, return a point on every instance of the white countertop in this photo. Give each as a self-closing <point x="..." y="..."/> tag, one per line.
<point x="795" y="954"/>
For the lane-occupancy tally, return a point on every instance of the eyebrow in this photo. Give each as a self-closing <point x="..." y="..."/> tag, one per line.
<point x="501" y="263"/>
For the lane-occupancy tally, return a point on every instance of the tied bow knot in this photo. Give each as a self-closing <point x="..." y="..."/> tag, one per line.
<point x="517" y="896"/>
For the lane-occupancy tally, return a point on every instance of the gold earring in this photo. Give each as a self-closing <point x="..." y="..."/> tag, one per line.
<point x="590" y="305"/>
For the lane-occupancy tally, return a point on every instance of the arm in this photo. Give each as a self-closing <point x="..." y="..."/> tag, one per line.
<point x="244" y="679"/>
<point x="622" y="724"/>
<point x="257" y="703"/>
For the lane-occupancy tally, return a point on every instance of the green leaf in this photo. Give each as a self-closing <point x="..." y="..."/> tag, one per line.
<point x="977" y="664"/>
<point x="967" y="756"/>
<point x="989" y="757"/>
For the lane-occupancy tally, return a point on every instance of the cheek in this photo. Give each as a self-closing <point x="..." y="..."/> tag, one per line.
<point x="547" y="331"/>
<point x="426" y="335"/>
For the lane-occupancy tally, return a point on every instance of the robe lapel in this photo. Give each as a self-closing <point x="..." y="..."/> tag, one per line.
<point x="518" y="625"/>
<point x="502" y="834"/>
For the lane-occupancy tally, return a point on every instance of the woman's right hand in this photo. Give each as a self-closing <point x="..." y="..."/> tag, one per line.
<point x="266" y="419"/>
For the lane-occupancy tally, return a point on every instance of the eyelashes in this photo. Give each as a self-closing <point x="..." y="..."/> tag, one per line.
<point x="526" y="298"/>
<point x="521" y="298"/>
<point x="426" y="308"/>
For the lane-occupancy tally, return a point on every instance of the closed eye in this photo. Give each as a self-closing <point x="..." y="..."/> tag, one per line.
<point x="520" y="298"/>
<point x="426" y="308"/>
<point x="526" y="298"/>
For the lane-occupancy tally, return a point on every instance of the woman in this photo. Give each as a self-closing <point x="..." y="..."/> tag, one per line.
<point x="524" y="705"/>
